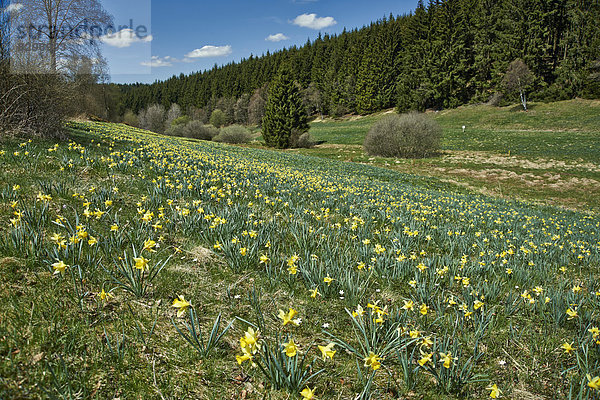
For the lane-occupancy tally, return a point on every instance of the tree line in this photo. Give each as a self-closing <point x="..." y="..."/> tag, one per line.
<point x="443" y="54"/>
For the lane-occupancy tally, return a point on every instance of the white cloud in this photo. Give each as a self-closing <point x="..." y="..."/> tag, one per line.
<point x="13" y="7"/>
<point x="313" y="22"/>
<point x="158" y="62"/>
<point x="278" y="37"/>
<point x="210" y="51"/>
<point x="124" y="38"/>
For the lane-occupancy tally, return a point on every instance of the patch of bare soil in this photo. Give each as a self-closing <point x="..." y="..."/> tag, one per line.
<point x="339" y="146"/>
<point x="199" y="257"/>
<point x="547" y="180"/>
<point x="500" y="160"/>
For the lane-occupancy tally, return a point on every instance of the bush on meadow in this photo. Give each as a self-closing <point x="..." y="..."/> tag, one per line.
<point x="234" y="134"/>
<point x="304" y="141"/>
<point x="197" y="130"/>
<point x="175" y="130"/>
<point x="411" y="135"/>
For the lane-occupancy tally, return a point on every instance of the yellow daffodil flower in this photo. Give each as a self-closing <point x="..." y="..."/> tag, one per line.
<point x="495" y="392"/>
<point x="290" y="348"/>
<point x="141" y="263"/>
<point x="567" y="347"/>
<point x="446" y="359"/>
<point x="327" y="351"/>
<point x="594" y="382"/>
<point x="307" y="393"/>
<point x="288" y="318"/>
<point x="359" y="312"/>
<point x="149" y="245"/>
<point x="425" y="358"/>
<point x="244" y="357"/>
<point x="181" y="304"/>
<point x="104" y="296"/>
<point x="373" y="361"/>
<point x="59" y="267"/>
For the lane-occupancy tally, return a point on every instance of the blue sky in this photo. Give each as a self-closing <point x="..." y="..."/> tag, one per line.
<point x="185" y="36"/>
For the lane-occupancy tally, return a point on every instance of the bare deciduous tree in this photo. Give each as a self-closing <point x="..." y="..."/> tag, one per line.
<point x="312" y="99"/>
<point x="153" y="119"/>
<point x="240" y="111"/>
<point x="42" y="36"/>
<point x="28" y="103"/>
<point x="173" y="113"/>
<point x="66" y="28"/>
<point x="256" y="107"/>
<point x="518" y="78"/>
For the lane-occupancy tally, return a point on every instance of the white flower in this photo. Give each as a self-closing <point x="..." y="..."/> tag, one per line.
<point x="325" y="325"/>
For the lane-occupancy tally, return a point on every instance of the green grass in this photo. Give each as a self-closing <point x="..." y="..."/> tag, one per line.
<point x="568" y="130"/>
<point x="549" y="154"/>
<point x="562" y="130"/>
<point x="343" y="131"/>
<point x="207" y="202"/>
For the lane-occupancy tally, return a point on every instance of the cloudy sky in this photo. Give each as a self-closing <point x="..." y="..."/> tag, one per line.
<point x="159" y="39"/>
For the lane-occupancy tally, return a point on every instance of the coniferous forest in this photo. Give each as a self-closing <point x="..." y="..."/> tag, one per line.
<point x="443" y="54"/>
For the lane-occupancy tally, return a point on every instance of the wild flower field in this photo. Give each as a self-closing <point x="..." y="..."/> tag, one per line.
<point x="550" y="154"/>
<point x="139" y="266"/>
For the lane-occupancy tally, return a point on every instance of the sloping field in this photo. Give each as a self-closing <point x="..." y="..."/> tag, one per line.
<point x="341" y="279"/>
<point x="565" y="130"/>
<point x="549" y="155"/>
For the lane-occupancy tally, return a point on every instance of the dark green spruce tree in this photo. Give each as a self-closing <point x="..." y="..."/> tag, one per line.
<point x="284" y="113"/>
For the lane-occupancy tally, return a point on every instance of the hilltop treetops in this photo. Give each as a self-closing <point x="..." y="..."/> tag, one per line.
<point x="442" y="55"/>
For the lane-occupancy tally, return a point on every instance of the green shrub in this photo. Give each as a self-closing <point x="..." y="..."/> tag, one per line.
<point x="218" y="118"/>
<point x="175" y="130"/>
<point x="234" y="134"/>
<point x="183" y="120"/>
<point x="410" y="135"/>
<point x="197" y="130"/>
<point x="302" y="140"/>
<point x="130" y="118"/>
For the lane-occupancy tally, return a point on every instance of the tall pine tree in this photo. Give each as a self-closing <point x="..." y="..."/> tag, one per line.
<point x="284" y="113"/>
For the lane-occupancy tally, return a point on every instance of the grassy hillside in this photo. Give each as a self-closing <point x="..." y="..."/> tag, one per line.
<point x="565" y="129"/>
<point x="550" y="154"/>
<point x="119" y="244"/>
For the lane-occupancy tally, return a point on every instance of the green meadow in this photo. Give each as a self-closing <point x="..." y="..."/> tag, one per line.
<point x="135" y="265"/>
